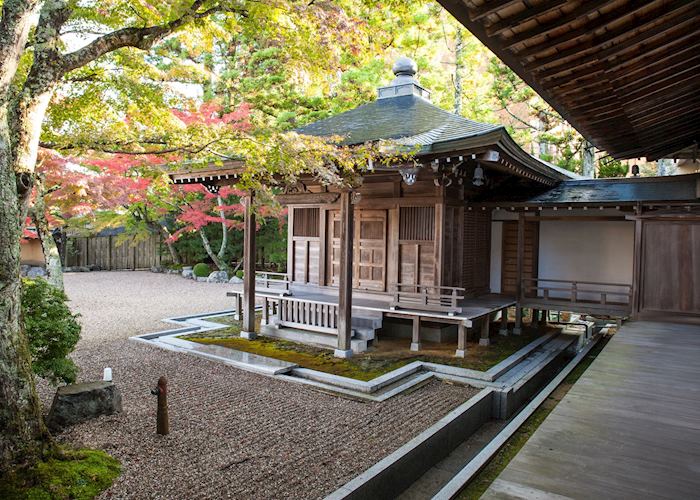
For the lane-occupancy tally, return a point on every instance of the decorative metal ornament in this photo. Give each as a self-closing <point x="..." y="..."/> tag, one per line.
<point x="212" y="188"/>
<point x="409" y="175"/>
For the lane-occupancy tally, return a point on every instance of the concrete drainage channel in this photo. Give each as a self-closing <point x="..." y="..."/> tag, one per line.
<point x="514" y="383"/>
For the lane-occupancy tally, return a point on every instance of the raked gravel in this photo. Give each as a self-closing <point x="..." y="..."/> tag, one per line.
<point x="234" y="434"/>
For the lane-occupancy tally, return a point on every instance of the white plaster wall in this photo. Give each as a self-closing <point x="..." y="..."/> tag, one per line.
<point x="496" y="248"/>
<point x="587" y="251"/>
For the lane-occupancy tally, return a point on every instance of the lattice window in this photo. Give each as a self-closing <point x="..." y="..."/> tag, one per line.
<point x="306" y="222"/>
<point x="417" y="223"/>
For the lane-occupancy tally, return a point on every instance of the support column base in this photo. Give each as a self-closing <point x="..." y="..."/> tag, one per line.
<point x="517" y="331"/>
<point x="460" y="353"/>
<point x="342" y="353"/>
<point x="249" y="335"/>
<point x="503" y="333"/>
<point x="415" y="346"/>
<point x="485" y="342"/>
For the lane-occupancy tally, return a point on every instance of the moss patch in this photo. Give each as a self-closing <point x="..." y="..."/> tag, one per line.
<point x="77" y="474"/>
<point x="387" y="355"/>
<point x="361" y="367"/>
<point x="483" y="480"/>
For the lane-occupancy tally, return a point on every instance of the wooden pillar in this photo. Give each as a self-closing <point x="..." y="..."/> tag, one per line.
<point x="518" y="326"/>
<point x="485" y="324"/>
<point x="345" y="279"/>
<point x="504" y="322"/>
<point x="461" y="340"/>
<point x="543" y="318"/>
<point x="534" y="317"/>
<point x="635" y="306"/>
<point x="248" y="327"/>
<point x="517" y="329"/>
<point x="265" y="312"/>
<point x="415" y="338"/>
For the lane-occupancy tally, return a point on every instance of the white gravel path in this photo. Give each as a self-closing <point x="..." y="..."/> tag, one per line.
<point x="234" y="434"/>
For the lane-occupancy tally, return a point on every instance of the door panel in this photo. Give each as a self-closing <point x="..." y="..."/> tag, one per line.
<point x="509" y="263"/>
<point x="369" y="249"/>
<point x="670" y="271"/>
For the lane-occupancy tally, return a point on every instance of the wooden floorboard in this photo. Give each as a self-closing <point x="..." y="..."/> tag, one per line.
<point x="628" y="428"/>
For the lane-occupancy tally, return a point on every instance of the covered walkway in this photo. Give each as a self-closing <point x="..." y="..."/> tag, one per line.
<point x="629" y="428"/>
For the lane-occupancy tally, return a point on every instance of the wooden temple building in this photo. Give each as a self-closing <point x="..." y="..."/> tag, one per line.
<point x="472" y="226"/>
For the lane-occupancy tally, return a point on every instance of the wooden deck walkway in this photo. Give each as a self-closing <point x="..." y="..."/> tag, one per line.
<point x="472" y="308"/>
<point x="628" y="428"/>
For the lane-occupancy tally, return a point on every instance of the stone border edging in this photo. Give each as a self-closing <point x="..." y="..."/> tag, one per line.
<point x="345" y="386"/>
<point x="460" y="480"/>
<point x="395" y="472"/>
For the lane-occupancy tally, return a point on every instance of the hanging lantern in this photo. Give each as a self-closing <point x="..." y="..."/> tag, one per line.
<point x="478" y="179"/>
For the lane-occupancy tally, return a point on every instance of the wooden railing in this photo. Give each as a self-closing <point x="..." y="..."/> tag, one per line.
<point x="303" y="314"/>
<point x="577" y="292"/>
<point x="272" y="281"/>
<point x="428" y="298"/>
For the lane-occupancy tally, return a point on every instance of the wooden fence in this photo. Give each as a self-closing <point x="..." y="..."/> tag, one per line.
<point x="112" y="253"/>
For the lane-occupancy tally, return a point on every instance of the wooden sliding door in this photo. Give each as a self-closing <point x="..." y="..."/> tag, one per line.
<point x="509" y="264"/>
<point x="369" y="257"/>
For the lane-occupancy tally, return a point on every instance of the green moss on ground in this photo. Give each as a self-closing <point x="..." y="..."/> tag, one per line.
<point x="483" y="480"/>
<point x="389" y="354"/>
<point x="76" y="474"/>
<point x="359" y="367"/>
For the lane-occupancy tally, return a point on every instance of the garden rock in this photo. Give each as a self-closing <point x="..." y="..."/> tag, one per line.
<point x="187" y="272"/>
<point x="80" y="402"/>
<point x="218" y="277"/>
<point x="202" y="279"/>
<point x="235" y="280"/>
<point x="36" y="272"/>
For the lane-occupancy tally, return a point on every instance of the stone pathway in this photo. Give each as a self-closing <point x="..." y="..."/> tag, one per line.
<point x="234" y="434"/>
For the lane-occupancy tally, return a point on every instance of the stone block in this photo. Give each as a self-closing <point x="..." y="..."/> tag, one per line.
<point x="235" y="280"/>
<point x="218" y="277"/>
<point x="187" y="272"/>
<point x="36" y="272"/>
<point x="77" y="403"/>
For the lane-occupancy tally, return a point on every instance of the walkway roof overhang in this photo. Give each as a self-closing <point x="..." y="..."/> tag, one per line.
<point x="624" y="73"/>
<point x="674" y="190"/>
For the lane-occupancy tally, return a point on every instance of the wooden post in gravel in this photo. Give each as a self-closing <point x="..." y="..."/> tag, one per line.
<point x="345" y="279"/>
<point x="248" y="327"/>
<point x="162" y="421"/>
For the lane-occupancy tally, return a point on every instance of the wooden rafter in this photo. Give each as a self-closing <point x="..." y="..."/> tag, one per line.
<point x="623" y="72"/>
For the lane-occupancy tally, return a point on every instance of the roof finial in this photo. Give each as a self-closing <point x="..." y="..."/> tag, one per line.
<point x="405" y="66"/>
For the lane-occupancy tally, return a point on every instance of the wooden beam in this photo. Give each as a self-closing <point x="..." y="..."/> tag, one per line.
<point x="528" y="14"/>
<point x="593" y="47"/>
<point x="589" y="28"/>
<point x="345" y="279"/>
<point x="489" y="8"/>
<point x="307" y="198"/>
<point x="248" y="327"/>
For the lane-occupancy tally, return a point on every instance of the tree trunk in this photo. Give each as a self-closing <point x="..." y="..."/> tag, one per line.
<point x="459" y="68"/>
<point x="52" y="258"/>
<point x="224" y="233"/>
<point x="22" y="431"/>
<point x="214" y="257"/>
<point x="588" y="159"/>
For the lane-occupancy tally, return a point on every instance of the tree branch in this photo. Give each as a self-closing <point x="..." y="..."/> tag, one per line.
<point x="142" y="38"/>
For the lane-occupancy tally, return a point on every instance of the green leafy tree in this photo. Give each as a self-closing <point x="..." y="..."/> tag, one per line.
<point x="52" y="330"/>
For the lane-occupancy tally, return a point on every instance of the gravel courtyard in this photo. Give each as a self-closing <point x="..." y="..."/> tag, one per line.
<point x="234" y="434"/>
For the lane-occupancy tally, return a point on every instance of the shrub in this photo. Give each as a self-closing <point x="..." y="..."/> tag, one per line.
<point x="239" y="274"/>
<point x="201" y="270"/>
<point x="52" y="330"/>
